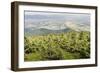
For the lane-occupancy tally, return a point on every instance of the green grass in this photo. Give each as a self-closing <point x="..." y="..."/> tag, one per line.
<point x="64" y="46"/>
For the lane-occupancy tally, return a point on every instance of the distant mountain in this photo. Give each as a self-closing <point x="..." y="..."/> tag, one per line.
<point x="43" y="31"/>
<point x="68" y="27"/>
<point x="47" y="27"/>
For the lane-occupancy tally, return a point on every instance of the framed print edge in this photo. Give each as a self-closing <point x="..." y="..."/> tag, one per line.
<point x="96" y="36"/>
<point x="15" y="34"/>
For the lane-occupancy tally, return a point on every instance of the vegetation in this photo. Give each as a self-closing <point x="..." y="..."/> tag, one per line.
<point x="69" y="45"/>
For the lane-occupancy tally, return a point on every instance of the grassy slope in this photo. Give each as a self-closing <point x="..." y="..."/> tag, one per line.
<point x="70" y="45"/>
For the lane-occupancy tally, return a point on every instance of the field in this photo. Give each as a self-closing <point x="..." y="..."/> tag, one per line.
<point x="62" y="46"/>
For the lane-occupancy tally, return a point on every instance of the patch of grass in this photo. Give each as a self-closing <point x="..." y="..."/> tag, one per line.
<point x="32" y="57"/>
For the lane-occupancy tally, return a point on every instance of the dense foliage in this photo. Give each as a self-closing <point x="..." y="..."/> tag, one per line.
<point x="69" y="45"/>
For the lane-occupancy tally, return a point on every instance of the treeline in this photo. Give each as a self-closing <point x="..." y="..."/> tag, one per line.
<point x="69" y="45"/>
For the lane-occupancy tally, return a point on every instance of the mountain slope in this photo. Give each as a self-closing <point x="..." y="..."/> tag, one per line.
<point x="45" y="28"/>
<point x="43" y="31"/>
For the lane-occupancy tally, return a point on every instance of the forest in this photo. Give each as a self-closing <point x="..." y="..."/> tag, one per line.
<point x="63" y="46"/>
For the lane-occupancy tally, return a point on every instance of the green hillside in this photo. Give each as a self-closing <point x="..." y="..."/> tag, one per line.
<point x="62" y="46"/>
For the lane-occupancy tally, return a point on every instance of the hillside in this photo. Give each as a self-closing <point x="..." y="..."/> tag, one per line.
<point x="64" y="46"/>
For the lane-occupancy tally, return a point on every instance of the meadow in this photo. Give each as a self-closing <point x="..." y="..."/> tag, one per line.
<point x="63" y="46"/>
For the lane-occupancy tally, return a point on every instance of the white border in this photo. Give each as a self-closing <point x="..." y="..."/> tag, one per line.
<point x="23" y="64"/>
